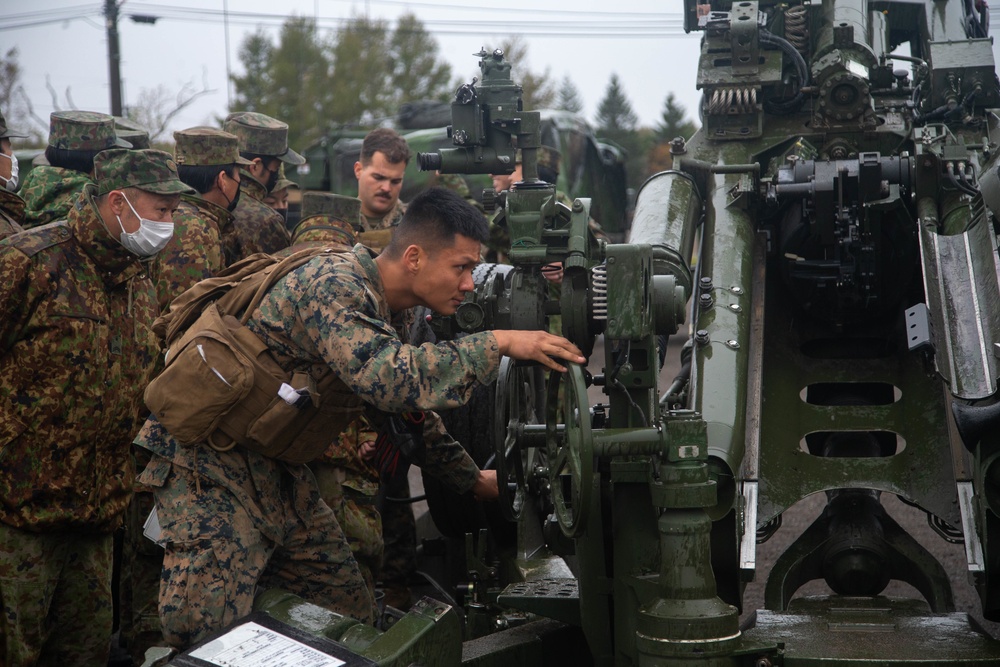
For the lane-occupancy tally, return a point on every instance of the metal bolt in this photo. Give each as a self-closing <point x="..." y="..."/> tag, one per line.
<point x="701" y="337"/>
<point x="705" y="282"/>
<point x="706" y="301"/>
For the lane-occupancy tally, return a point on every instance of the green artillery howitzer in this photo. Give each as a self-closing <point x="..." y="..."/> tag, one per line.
<point x="828" y="241"/>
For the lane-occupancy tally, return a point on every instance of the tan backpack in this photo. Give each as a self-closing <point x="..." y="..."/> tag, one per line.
<point x="222" y="386"/>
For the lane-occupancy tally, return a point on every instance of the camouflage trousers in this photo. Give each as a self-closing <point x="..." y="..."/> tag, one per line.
<point x="399" y="530"/>
<point x="216" y="560"/>
<point x="55" y="589"/>
<point x="139" y="589"/>
<point x="357" y="515"/>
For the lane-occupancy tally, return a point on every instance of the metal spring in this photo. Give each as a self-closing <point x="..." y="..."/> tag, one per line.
<point x="797" y="28"/>
<point x="733" y="101"/>
<point x="599" y="291"/>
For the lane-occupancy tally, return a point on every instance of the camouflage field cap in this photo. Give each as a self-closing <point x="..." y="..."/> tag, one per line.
<point x="7" y="133"/>
<point x="262" y="135"/>
<point x="83" y="131"/>
<point x="338" y="207"/>
<point x="207" y="147"/>
<point x="132" y="132"/>
<point x="283" y="182"/>
<point x="147" y="169"/>
<point x="547" y="157"/>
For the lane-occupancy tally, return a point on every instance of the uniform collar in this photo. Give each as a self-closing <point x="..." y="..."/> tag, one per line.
<point x="251" y="186"/>
<point x="223" y="218"/>
<point x="115" y="262"/>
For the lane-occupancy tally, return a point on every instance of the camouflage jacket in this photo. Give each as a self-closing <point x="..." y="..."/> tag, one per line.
<point x="195" y="251"/>
<point x="390" y="219"/>
<point x="76" y="348"/>
<point x="376" y="232"/>
<point x="333" y="309"/>
<point x="256" y="226"/>
<point x="11" y="214"/>
<point x="49" y="193"/>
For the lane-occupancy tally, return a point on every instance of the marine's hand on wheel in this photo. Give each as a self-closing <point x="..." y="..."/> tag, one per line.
<point x="540" y="346"/>
<point x="485" y="487"/>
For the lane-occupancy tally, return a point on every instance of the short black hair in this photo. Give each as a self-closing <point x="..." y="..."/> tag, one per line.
<point x="202" y="177"/>
<point x="71" y="159"/>
<point x="433" y="219"/>
<point x="263" y="158"/>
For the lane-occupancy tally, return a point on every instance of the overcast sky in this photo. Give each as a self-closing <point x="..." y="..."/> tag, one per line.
<point x="64" y="42"/>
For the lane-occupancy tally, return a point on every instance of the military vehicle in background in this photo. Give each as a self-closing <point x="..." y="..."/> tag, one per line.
<point x="825" y="247"/>
<point x="588" y="165"/>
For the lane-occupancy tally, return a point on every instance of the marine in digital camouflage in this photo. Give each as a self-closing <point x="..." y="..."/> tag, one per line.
<point x="11" y="213"/>
<point x="76" y="347"/>
<point x="330" y="310"/>
<point x="50" y="192"/>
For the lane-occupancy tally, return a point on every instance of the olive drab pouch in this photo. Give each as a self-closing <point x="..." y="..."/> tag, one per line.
<point x="221" y="385"/>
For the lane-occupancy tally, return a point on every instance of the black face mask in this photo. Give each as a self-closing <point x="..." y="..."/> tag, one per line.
<point x="272" y="179"/>
<point x="283" y="212"/>
<point x="235" y="200"/>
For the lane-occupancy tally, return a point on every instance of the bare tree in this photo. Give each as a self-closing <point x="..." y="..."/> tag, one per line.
<point x="156" y="107"/>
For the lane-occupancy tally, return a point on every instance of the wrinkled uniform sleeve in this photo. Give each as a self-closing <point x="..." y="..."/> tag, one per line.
<point x="444" y="457"/>
<point x="341" y="318"/>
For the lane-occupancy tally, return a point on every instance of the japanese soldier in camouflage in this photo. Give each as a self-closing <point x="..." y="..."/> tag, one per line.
<point x="11" y="206"/>
<point x="76" y="350"/>
<point x="264" y="142"/>
<point x="208" y="160"/>
<point x="75" y="137"/>
<point x="132" y="132"/>
<point x="234" y="522"/>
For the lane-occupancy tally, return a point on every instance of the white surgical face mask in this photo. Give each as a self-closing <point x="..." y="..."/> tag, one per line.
<point x="150" y="238"/>
<point x="10" y="183"/>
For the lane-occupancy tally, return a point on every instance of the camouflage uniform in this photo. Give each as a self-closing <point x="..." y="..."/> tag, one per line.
<point x="132" y="132"/>
<point x="376" y="232"/>
<point x="50" y="192"/>
<point x="194" y="253"/>
<point x="11" y="213"/>
<point x="235" y="521"/>
<point x="11" y="205"/>
<point x="76" y="348"/>
<point x="326" y="219"/>
<point x="258" y="227"/>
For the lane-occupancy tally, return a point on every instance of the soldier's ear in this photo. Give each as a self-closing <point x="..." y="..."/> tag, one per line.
<point x="357" y="169"/>
<point x="412" y="257"/>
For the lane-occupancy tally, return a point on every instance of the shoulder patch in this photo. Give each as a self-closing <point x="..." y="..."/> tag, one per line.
<point x="32" y="241"/>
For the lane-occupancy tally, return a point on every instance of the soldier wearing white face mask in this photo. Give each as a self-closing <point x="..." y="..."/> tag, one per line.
<point x="11" y="206"/>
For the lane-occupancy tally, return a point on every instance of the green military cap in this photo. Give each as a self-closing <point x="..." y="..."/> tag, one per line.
<point x="147" y="169"/>
<point x="283" y="183"/>
<point x="338" y="207"/>
<point x="207" y="147"/>
<point x="131" y="131"/>
<point x="262" y="135"/>
<point x="83" y="131"/>
<point x="6" y="133"/>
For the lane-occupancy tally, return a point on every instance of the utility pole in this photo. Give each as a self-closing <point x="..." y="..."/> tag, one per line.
<point x="114" y="56"/>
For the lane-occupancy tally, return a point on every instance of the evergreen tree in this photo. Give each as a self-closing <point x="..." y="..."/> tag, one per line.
<point x="672" y="121"/>
<point x="568" y="97"/>
<point x="415" y="69"/>
<point x="253" y="88"/>
<point x="538" y="90"/>
<point x="615" y="117"/>
<point x="359" y="90"/>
